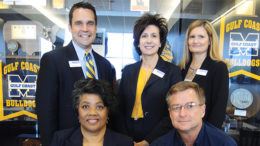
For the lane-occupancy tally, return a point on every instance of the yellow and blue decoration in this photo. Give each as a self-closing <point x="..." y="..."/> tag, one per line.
<point x="167" y="54"/>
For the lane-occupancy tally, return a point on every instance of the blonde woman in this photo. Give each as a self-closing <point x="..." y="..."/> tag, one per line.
<point x="203" y="64"/>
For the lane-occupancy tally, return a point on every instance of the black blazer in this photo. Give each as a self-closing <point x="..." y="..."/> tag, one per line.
<point x="216" y="87"/>
<point x="73" y="137"/>
<point x="156" y="121"/>
<point x="54" y="89"/>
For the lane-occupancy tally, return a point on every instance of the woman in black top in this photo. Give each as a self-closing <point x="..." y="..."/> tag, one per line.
<point x="202" y="63"/>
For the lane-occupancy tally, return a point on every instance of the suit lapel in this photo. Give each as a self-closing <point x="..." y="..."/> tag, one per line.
<point x="76" y="72"/>
<point x="204" y="66"/>
<point x="75" y="139"/>
<point x="133" y="80"/>
<point x="153" y="78"/>
<point x="108" y="138"/>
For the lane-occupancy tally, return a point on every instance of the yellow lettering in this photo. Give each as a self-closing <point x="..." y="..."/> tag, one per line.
<point x="16" y="104"/>
<point x="233" y="25"/>
<point x="255" y="62"/>
<point x="227" y="27"/>
<point x="251" y="24"/>
<point x="26" y="66"/>
<point x="7" y="103"/>
<point x="5" y="70"/>
<point x="22" y="65"/>
<point x="16" y="65"/>
<point x="246" y="23"/>
<point x="36" y="68"/>
<point x="239" y="22"/>
<point x="25" y="104"/>
<point x="11" y="67"/>
<point x="30" y="67"/>
<point x="20" y="103"/>
<point x="244" y="62"/>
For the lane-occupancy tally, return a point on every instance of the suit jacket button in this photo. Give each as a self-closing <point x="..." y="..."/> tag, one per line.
<point x="146" y="114"/>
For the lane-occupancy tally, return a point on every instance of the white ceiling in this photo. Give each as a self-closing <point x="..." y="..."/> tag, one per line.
<point x="114" y="10"/>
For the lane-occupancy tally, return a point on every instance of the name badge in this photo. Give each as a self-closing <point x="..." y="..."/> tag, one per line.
<point x="158" y="73"/>
<point x="75" y="63"/>
<point x="201" y="72"/>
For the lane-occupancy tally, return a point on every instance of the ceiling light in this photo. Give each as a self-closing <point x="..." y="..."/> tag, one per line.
<point x="47" y="13"/>
<point x="231" y="9"/>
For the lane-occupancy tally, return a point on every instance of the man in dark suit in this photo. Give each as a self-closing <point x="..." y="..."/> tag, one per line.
<point x="61" y="68"/>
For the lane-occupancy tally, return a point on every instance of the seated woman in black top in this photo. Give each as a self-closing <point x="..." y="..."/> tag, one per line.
<point x="93" y="99"/>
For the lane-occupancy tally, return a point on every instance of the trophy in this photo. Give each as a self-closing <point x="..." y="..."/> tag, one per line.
<point x="12" y="46"/>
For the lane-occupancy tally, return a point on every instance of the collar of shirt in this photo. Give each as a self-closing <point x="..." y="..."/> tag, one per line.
<point x="81" y="55"/>
<point x="81" y="51"/>
<point x="178" y="140"/>
<point x="200" y="139"/>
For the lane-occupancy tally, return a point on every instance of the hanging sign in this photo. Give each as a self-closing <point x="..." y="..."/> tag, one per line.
<point x="17" y="89"/>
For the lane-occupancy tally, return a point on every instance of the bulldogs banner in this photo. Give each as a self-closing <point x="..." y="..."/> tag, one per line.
<point x="18" y="87"/>
<point x="239" y="37"/>
<point x="241" y="45"/>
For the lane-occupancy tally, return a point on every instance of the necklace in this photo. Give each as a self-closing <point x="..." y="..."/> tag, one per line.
<point x="194" y="70"/>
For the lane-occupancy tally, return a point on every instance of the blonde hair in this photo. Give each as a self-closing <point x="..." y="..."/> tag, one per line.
<point x="213" y="49"/>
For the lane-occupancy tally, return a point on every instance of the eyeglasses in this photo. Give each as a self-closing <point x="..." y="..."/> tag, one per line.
<point x="188" y="106"/>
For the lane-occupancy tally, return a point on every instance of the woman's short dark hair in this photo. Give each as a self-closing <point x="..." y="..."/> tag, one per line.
<point x="143" y="22"/>
<point x="93" y="86"/>
<point x="84" y="5"/>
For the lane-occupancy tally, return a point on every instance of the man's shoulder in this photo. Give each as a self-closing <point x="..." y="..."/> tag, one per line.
<point x="164" y="140"/>
<point x="218" y="135"/>
<point x="100" y="58"/>
<point x="56" y="52"/>
<point x="212" y="130"/>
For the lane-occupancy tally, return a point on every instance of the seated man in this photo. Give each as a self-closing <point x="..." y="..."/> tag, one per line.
<point x="186" y="102"/>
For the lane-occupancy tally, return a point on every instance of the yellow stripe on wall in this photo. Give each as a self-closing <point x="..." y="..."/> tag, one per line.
<point x="222" y="34"/>
<point x="1" y="92"/>
<point x="243" y="72"/>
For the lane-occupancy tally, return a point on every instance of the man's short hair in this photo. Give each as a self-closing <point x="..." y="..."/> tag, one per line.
<point x="184" y="85"/>
<point x="84" y="5"/>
